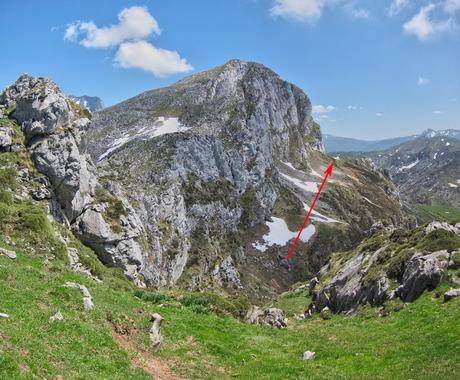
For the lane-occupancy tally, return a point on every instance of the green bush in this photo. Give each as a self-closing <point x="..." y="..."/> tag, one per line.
<point x="194" y="299"/>
<point x="199" y="309"/>
<point x="6" y="197"/>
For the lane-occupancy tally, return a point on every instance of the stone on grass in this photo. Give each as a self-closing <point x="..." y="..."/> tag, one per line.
<point x="309" y="355"/>
<point x="57" y="317"/>
<point x="7" y="253"/>
<point x="452" y="293"/>
<point x="3" y="315"/>
<point x="87" y="299"/>
<point x="155" y="331"/>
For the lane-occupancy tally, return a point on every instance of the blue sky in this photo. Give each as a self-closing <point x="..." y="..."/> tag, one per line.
<point x="372" y="68"/>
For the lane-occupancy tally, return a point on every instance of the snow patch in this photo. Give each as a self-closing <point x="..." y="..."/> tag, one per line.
<point x="311" y="187"/>
<point x="317" y="217"/>
<point x="410" y="166"/>
<point x="161" y="126"/>
<point x="288" y="164"/>
<point x="447" y="143"/>
<point x="435" y="155"/>
<point x="280" y="234"/>
<point x="453" y="185"/>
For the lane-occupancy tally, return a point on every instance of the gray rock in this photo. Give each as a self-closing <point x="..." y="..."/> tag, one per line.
<point x="57" y="317"/>
<point x="6" y="138"/>
<point x="155" y="332"/>
<point x="8" y="253"/>
<point x="309" y="355"/>
<point x="452" y="293"/>
<point x="87" y="299"/>
<point x="269" y="317"/>
<point x="421" y="273"/>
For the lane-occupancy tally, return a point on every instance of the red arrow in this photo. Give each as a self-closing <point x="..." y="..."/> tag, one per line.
<point x="327" y="173"/>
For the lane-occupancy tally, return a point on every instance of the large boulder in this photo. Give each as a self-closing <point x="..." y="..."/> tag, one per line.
<point x="422" y="272"/>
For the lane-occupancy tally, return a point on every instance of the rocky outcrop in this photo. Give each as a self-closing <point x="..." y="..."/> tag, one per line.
<point x="269" y="317"/>
<point x="384" y="267"/>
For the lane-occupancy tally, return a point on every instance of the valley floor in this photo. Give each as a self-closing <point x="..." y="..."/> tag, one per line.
<point x="419" y="340"/>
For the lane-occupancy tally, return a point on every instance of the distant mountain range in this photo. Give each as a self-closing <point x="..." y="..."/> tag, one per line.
<point x="345" y="144"/>
<point x="92" y="103"/>
<point x="425" y="169"/>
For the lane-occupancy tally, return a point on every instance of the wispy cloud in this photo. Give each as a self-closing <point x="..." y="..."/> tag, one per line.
<point x="363" y="14"/>
<point x="135" y="24"/>
<point x="397" y="6"/>
<point x="424" y="26"/>
<point x="437" y="112"/>
<point x="352" y="107"/>
<point x="323" y="109"/>
<point x="421" y="81"/>
<point x="379" y="114"/>
<point x="452" y="6"/>
<point x="299" y="10"/>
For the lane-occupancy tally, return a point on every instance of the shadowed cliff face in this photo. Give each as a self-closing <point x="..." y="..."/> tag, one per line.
<point x="202" y="184"/>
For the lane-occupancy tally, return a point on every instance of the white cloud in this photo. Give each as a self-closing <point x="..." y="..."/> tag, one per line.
<point x="423" y="26"/>
<point x="438" y="112"/>
<point x="134" y="26"/>
<point x="379" y="114"/>
<point x="352" y="107"/>
<point x="135" y="23"/>
<point x="299" y="10"/>
<point x="452" y="6"/>
<point x="145" y="56"/>
<point x="421" y="81"/>
<point x="397" y="6"/>
<point x="322" y="109"/>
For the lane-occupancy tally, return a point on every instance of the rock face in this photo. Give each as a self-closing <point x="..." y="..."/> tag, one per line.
<point x="269" y="317"/>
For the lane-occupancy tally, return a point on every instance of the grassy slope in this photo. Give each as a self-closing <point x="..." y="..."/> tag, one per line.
<point x="439" y="210"/>
<point x="421" y="340"/>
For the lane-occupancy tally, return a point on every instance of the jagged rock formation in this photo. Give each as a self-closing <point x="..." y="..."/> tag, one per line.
<point x="393" y="263"/>
<point x="192" y="180"/>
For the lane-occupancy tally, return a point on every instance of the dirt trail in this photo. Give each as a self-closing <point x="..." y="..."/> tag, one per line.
<point x="158" y="368"/>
